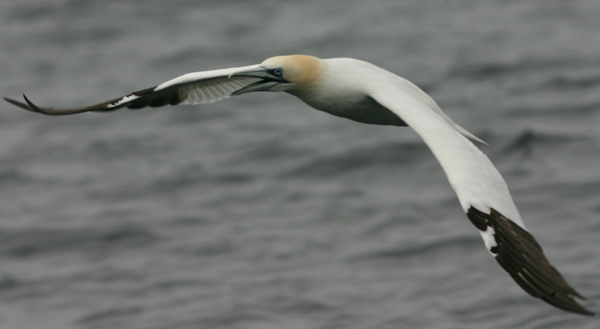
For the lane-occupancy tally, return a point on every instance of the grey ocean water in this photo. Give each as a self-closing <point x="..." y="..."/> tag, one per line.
<point x="259" y="212"/>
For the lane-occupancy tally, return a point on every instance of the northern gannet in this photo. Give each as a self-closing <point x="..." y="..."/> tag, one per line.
<point x="366" y="93"/>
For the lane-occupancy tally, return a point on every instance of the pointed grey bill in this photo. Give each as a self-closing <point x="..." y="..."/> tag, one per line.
<point x="269" y="80"/>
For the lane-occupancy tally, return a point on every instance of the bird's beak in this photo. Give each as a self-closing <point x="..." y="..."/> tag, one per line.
<point x="268" y="83"/>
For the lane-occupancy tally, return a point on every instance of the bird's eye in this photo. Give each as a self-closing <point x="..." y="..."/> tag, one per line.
<point x="278" y="71"/>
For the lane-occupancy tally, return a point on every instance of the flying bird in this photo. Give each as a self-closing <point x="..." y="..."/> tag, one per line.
<point x="360" y="91"/>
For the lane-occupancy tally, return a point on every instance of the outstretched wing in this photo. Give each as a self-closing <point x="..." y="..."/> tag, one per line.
<point x="191" y="88"/>
<point x="483" y="195"/>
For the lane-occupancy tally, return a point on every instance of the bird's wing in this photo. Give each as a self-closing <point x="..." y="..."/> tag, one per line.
<point x="484" y="197"/>
<point x="191" y="88"/>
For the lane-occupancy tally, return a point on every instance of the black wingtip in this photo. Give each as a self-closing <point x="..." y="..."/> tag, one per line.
<point x="19" y="104"/>
<point x="521" y="256"/>
<point x="567" y="303"/>
<point x="30" y="106"/>
<point x="33" y="107"/>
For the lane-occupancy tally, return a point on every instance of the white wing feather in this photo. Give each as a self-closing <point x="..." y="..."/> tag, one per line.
<point x="209" y="86"/>
<point x="472" y="175"/>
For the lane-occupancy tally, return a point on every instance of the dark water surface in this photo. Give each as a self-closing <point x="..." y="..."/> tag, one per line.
<point x="258" y="212"/>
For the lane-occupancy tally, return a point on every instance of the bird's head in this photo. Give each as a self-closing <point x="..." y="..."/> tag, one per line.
<point x="291" y="73"/>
